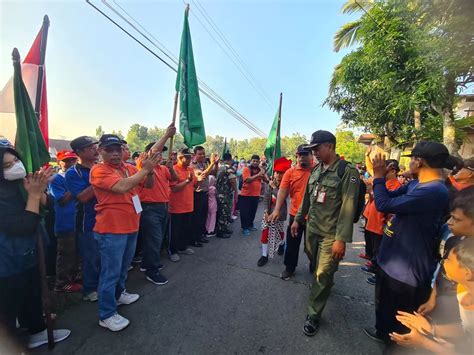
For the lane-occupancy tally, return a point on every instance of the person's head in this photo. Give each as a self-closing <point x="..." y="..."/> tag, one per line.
<point x="135" y="156"/>
<point x="459" y="265"/>
<point x="12" y="168"/>
<point x="323" y="144"/>
<point x="280" y="166"/>
<point x="392" y="173"/>
<point x="428" y="155"/>
<point x="66" y="159"/>
<point x="184" y="157"/>
<point x="111" y="149"/>
<point x="151" y="149"/>
<point x="125" y="150"/>
<point x="465" y="174"/>
<point x="255" y="161"/>
<point x="85" y="148"/>
<point x="227" y="158"/>
<point x="199" y="154"/>
<point x="303" y="156"/>
<point x="461" y="222"/>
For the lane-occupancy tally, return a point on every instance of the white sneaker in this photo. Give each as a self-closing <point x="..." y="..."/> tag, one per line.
<point x="234" y="217"/>
<point x="115" y="322"/>
<point x="130" y="268"/>
<point x="175" y="257"/>
<point x="127" y="298"/>
<point x="187" y="251"/>
<point x="41" y="338"/>
<point x="93" y="297"/>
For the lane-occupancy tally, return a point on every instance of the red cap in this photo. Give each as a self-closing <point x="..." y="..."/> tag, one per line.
<point x="65" y="154"/>
<point x="282" y="164"/>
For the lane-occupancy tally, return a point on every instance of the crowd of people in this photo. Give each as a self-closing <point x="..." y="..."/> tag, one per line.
<point x="111" y="210"/>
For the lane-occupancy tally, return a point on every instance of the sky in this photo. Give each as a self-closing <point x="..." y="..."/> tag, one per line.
<point x="97" y="75"/>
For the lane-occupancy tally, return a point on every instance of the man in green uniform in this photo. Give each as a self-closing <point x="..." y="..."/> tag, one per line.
<point x="226" y="186"/>
<point x="330" y="204"/>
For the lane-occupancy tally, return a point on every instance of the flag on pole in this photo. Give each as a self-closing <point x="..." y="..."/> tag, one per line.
<point x="225" y="150"/>
<point x="191" y="124"/>
<point x="273" y="147"/>
<point x="34" y="78"/>
<point x="29" y="142"/>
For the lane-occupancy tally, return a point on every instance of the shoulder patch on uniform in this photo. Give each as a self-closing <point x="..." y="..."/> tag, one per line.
<point x="353" y="179"/>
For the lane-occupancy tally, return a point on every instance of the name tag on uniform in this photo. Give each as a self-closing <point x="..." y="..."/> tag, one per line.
<point x="321" y="197"/>
<point x="136" y="204"/>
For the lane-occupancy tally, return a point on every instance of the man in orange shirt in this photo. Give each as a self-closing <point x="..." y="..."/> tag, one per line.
<point x="250" y="193"/>
<point x="118" y="212"/>
<point x="293" y="184"/>
<point x="181" y="206"/>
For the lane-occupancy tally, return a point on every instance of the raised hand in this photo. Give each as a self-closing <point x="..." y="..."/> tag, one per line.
<point x="36" y="183"/>
<point x="380" y="169"/>
<point x="170" y="131"/>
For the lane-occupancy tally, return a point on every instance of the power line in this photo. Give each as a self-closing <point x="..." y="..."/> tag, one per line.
<point x="219" y="101"/>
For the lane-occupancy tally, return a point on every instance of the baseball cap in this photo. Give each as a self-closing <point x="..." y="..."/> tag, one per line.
<point x="435" y="153"/>
<point x="282" y="164"/>
<point x="320" y="137"/>
<point x="184" y="151"/>
<point x="65" y="154"/>
<point x="109" y="139"/>
<point x="302" y="149"/>
<point x="149" y="145"/>
<point x="468" y="164"/>
<point x="82" y="142"/>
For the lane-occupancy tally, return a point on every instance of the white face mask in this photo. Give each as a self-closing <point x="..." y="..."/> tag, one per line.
<point x="16" y="172"/>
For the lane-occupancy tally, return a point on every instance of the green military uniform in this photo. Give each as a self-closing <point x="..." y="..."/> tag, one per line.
<point x="330" y="203"/>
<point x="225" y="199"/>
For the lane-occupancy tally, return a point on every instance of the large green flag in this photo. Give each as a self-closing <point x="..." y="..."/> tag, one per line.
<point x="191" y="124"/>
<point x="29" y="142"/>
<point x="273" y="148"/>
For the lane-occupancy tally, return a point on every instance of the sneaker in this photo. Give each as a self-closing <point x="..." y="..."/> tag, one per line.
<point x="371" y="280"/>
<point x="281" y="249"/>
<point x="160" y="267"/>
<point x="245" y="231"/>
<point x="142" y="269"/>
<point x="223" y="236"/>
<point x="92" y="297"/>
<point x="204" y="240"/>
<point x="310" y="326"/>
<point x="196" y="245"/>
<point x="187" y="251"/>
<point x="262" y="261"/>
<point x="115" y="323"/>
<point x="369" y="264"/>
<point x="253" y="229"/>
<point x="286" y="275"/>
<point x="157" y="279"/>
<point x="363" y="256"/>
<point x="130" y="268"/>
<point x="368" y="270"/>
<point x="137" y="260"/>
<point x="127" y="298"/>
<point x="374" y="335"/>
<point x="69" y="288"/>
<point x="234" y="217"/>
<point x="210" y="234"/>
<point x="174" y="258"/>
<point x="41" y="338"/>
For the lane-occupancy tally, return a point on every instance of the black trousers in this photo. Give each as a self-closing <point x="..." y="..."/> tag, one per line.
<point x="20" y="297"/>
<point x="248" y="209"/>
<point x="376" y="241"/>
<point x="391" y="296"/>
<point x="181" y="227"/>
<point x="293" y="246"/>
<point x="199" y="215"/>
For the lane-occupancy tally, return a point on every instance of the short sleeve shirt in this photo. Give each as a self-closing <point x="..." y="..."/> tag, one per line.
<point x="182" y="201"/>
<point x="160" y="192"/>
<point x="115" y="211"/>
<point x="250" y="188"/>
<point x="296" y="179"/>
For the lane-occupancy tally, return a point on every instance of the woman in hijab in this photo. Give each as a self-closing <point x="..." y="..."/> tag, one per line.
<point x="20" y="223"/>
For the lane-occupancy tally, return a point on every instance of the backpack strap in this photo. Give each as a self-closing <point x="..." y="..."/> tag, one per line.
<point x="341" y="168"/>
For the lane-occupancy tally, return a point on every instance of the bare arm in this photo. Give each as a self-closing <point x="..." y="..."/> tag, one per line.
<point x="180" y="186"/>
<point x="86" y="195"/>
<point x="158" y="146"/>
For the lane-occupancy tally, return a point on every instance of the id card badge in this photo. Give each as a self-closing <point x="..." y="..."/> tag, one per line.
<point x="136" y="204"/>
<point x="321" y="198"/>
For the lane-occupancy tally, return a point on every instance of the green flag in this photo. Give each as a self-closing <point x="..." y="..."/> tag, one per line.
<point x="191" y="124"/>
<point x="273" y="148"/>
<point x="29" y="142"/>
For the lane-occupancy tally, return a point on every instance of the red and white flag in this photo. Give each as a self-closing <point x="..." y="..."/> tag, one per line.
<point x="34" y="76"/>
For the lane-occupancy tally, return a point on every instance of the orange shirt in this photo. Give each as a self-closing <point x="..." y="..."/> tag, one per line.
<point x="183" y="201"/>
<point x="115" y="211"/>
<point x="250" y="188"/>
<point x="376" y="219"/>
<point x="295" y="180"/>
<point x="160" y="192"/>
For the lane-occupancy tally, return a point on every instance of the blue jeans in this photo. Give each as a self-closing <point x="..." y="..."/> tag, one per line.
<point x="116" y="254"/>
<point x="90" y="262"/>
<point x="153" y="222"/>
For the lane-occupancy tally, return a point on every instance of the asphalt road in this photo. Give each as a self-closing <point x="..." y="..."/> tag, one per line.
<point x="219" y="302"/>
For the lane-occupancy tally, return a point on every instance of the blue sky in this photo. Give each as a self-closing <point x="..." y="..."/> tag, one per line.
<point x="98" y="76"/>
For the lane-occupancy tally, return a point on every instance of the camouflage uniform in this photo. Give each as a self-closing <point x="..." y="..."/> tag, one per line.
<point x="225" y="199"/>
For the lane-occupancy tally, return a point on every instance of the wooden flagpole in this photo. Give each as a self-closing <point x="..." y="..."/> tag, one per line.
<point x="173" y="121"/>
<point x="275" y="147"/>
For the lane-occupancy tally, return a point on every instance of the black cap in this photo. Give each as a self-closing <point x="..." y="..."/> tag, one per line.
<point x="109" y="139"/>
<point x="82" y="142"/>
<point x="184" y="151"/>
<point x="435" y="153"/>
<point x="124" y="141"/>
<point x="135" y="155"/>
<point x="149" y="145"/>
<point x="302" y="149"/>
<point x="468" y="164"/>
<point x="320" y="137"/>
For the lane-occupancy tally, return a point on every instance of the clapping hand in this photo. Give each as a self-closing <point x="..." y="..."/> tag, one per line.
<point x="148" y="162"/>
<point x="36" y="183"/>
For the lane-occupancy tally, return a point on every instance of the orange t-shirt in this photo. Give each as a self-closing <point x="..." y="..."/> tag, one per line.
<point x="115" y="211"/>
<point x="160" y="192"/>
<point x="250" y="188"/>
<point x="376" y="219"/>
<point x="182" y="201"/>
<point x="296" y="179"/>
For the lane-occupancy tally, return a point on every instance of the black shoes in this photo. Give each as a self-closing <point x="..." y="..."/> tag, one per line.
<point x="373" y="334"/>
<point x="262" y="261"/>
<point x="223" y="236"/>
<point x="310" y="326"/>
<point x="281" y="249"/>
<point x="204" y="240"/>
<point x="196" y="244"/>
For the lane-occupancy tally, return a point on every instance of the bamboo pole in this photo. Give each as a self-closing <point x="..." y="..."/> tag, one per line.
<point x="173" y="122"/>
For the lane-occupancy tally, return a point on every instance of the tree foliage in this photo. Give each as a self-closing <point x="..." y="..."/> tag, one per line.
<point x="348" y="146"/>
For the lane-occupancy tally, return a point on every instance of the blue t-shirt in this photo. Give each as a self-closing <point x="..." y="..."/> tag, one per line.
<point x="77" y="179"/>
<point x="65" y="215"/>
<point x="409" y="248"/>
